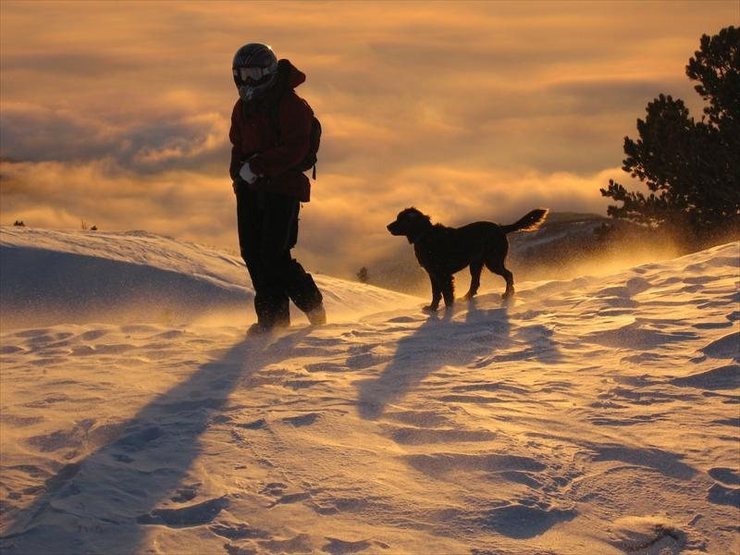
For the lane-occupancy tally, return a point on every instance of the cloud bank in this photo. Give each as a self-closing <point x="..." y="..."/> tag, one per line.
<point x="118" y="113"/>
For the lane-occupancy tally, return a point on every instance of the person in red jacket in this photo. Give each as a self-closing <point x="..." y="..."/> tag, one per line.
<point x="270" y="135"/>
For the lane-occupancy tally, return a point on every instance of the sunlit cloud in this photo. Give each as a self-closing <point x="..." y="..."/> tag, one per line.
<point x="118" y="112"/>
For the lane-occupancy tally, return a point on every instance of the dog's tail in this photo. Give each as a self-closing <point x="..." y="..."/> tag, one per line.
<point x="530" y="222"/>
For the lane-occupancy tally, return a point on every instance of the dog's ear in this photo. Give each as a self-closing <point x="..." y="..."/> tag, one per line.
<point x="419" y="215"/>
<point x="414" y="213"/>
<point x="405" y="214"/>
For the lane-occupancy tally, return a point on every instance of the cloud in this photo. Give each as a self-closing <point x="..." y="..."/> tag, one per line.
<point x="118" y="112"/>
<point x="178" y="203"/>
<point x="183" y="140"/>
<point x="342" y="229"/>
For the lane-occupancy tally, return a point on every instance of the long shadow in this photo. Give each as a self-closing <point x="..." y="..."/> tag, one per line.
<point x="439" y="341"/>
<point x="103" y="502"/>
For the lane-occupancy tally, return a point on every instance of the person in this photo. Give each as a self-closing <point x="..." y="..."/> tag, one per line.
<point x="270" y="135"/>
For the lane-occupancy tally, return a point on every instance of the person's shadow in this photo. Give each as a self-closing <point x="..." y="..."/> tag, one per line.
<point x="439" y="341"/>
<point x="114" y="492"/>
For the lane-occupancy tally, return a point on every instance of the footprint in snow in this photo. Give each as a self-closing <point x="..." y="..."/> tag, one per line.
<point x="297" y="544"/>
<point x="437" y="464"/>
<point x="138" y="439"/>
<point x="302" y="420"/>
<point x="663" y="462"/>
<point x="342" y="547"/>
<point x="723" y="377"/>
<point x="303" y="384"/>
<point x="720" y="494"/>
<point x="647" y="534"/>
<point x="259" y="424"/>
<point x="185" y="494"/>
<point x="290" y="498"/>
<point x="423" y="436"/>
<point x="724" y="347"/>
<point x="725" y="475"/>
<point x="237" y="531"/>
<point x="192" y="515"/>
<point x="525" y="520"/>
<point x="274" y="489"/>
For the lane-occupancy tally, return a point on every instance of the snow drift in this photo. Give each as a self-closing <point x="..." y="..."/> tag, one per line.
<point x="50" y="277"/>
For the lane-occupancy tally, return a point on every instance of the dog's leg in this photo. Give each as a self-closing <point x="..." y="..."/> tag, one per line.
<point x="448" y="290"/>
<point x="497" y="267"/>
<point x="436" y="295"/>
<point x="475" y="270"/>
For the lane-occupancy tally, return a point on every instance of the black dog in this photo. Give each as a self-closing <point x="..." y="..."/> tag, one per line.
<point x="442" y="250"/>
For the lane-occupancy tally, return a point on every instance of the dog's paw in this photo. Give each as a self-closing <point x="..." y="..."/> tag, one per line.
<point x="430" y="309"/>
<point x="507" y="300"/>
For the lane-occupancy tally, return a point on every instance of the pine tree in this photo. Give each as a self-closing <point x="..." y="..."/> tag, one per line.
<point x="692" y="169"/>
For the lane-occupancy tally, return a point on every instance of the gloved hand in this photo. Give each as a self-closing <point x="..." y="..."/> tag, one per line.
<point x="247" y="174"/>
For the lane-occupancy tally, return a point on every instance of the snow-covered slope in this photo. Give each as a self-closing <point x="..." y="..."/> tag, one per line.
<point x="51" y="277"/>
<point x="596" y="415"/>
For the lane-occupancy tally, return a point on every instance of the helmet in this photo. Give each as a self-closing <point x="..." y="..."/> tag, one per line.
<point x="255" y="69"/>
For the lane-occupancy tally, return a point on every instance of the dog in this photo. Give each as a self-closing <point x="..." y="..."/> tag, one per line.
<point x="442" y="251"/>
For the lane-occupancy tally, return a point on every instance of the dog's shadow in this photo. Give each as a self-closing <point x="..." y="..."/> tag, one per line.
<point x="440" y="341"/>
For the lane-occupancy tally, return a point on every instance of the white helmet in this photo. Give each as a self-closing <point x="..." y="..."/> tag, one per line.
<point x="255" y="69"/>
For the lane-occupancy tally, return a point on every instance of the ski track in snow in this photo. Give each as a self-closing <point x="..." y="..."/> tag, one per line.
<point x="597" y="415"/>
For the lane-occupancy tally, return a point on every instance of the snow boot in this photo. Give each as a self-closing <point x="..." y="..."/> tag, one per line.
<point x="317" y="316"/>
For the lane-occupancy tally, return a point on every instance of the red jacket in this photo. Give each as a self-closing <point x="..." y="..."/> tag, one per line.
<point x="254" y="136"/>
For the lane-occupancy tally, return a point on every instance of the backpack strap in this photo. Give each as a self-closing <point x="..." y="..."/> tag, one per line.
<point x="274" y="115"/>
<point x="276" y="99"/>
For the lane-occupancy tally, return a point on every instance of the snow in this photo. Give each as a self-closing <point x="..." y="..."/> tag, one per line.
<point x="594" y="415"/>
<point x="136" y="276"/>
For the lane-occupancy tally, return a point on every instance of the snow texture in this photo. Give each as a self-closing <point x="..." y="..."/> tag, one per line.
<point x="596" y="415"/>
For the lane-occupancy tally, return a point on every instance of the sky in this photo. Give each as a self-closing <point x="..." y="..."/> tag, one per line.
<point x="116" y="114"/>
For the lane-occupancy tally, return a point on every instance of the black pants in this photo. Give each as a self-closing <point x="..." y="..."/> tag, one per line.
<point x="268" y="229"/>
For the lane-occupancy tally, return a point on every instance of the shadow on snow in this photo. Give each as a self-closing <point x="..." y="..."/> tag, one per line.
<point x="142" y="467"/>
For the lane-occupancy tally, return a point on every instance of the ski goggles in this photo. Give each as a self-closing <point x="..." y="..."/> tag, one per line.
<point x="251" y="73"/>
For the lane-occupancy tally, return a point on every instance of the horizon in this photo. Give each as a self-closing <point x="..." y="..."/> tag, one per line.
<point x="118" y="113"/>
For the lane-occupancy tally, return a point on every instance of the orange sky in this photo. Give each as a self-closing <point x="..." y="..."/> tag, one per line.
<point x="118" y="112"/>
